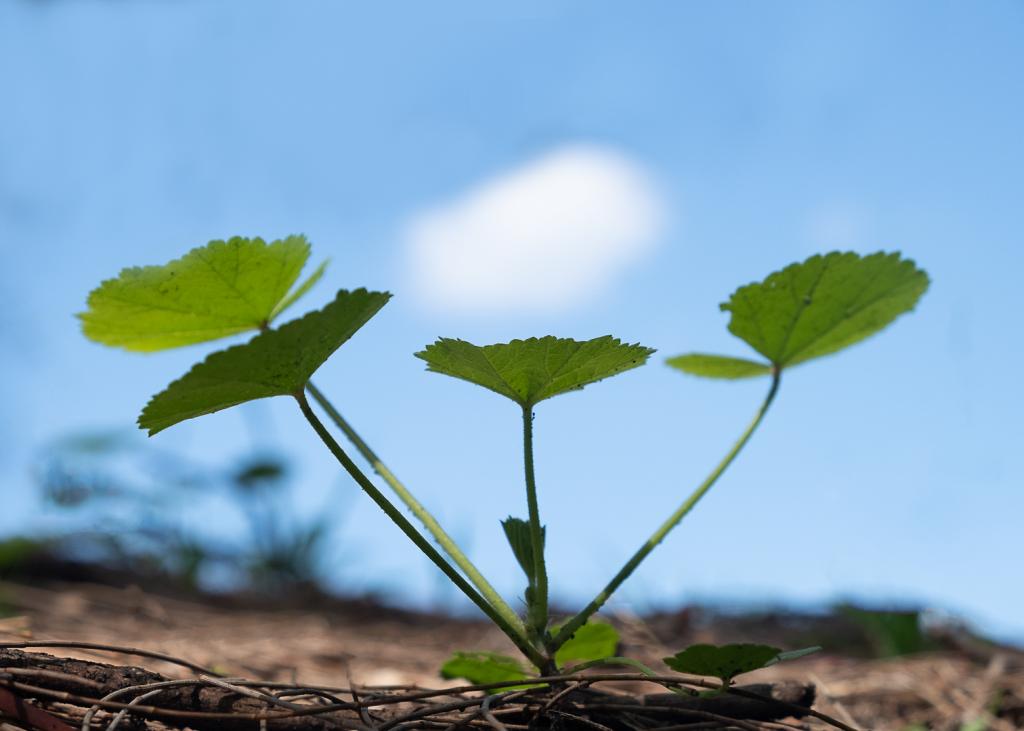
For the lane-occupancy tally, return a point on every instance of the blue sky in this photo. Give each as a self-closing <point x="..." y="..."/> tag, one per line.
<point x="751" y="135"/>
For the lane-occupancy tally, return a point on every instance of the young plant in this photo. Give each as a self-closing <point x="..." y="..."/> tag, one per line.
<point x="528" y="372"/>
<point x="805" y="311"/>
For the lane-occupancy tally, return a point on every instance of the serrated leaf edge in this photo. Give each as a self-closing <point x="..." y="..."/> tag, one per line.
<point x="795" y="360"/>
<point x="221" y="353"/>
<point x="133" y="272"/>
<point x="616" y="342"/>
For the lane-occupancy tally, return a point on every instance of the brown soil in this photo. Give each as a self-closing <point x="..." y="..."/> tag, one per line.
<point x="969" y="684"/>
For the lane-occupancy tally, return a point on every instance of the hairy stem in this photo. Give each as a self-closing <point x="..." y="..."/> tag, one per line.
<point x="673" y="520"/>
<point x="422" y="543"/>
<point x="422" y="514"/>
<point x="538" y="608"/>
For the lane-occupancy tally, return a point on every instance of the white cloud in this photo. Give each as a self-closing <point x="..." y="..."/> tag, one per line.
<point x="550" y="234"/>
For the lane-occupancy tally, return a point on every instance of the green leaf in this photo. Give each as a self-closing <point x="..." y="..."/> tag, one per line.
<point x="529" y="371"/>
<point x="718" y="366"/>
<point x="794" y="654"/>
<point x="274" y="363"/>
<point x="592" y="641"/>
<point x="299" y="291"/>
<point x="824" y="304"/>
<point x="722" y="661"/>
<point x="217" y="290"/>
<point x="483" y="667"/>
<point x="517" y="531"/>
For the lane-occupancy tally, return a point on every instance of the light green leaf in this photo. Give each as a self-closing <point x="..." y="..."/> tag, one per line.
<point x="592" y="641"/>
<point x="722" y="661"/>
<point x="529" y="371"/>
<point x="274" y="363"/>
<point x="299" y="291"/>
<point x="217" y="290"/>
<point x="718" y="366"/>
<point x="794" y="654"/>
<point x="483" y="667"/>
<point x="517" y="531"/>
<point x="824" y="304"/>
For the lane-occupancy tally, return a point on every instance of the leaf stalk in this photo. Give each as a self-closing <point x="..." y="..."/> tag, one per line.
<point x="422" y="543"/>
<point x="538" y="608"/>
<point x="425" y="516"/>
<point x="672" y="521"/>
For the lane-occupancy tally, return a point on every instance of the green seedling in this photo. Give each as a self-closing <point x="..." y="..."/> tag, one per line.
<point x="805" y="311"/>
<point x="528" y="372"/>
<point x="483" y="668"/>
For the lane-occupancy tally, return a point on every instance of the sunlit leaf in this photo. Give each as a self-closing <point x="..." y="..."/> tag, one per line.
<point x="529" y="371"/>
<point x="722" y="661"/>
<point x="824" y="304"/>
<point x="299" y="291"/>
<point x="718" y="366"/>
<point x="483" y="667"/>
<point x="274" y="363"/>
<point x="221" y="289"/>
<point x="592" y="641"/>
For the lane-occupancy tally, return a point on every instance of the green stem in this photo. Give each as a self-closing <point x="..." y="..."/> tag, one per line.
<point x="673" y="520"/>
<point x="425" y="517"/>
<point x="612" y="660"/>
<point x="539" y="604"/>
<point x="615" y="660"/>
<point x="422" y="543"/>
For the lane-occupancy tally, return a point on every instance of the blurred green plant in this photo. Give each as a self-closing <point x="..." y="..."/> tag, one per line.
<point x="891" y="633"/>
<point x="136" y="501"/>
<point x="16" y="550"/>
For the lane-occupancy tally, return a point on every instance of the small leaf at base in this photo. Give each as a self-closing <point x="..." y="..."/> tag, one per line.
<point x="481" y="668"/>
<point x="592" y="641"/>
<point x="722" y="661"/>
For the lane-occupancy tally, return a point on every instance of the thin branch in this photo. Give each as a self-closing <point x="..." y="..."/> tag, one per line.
<point x="111" y="648"/>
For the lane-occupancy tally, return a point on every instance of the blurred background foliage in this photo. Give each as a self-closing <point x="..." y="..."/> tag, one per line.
<point x="127" y="512"/>
<point x="124" y="506"/>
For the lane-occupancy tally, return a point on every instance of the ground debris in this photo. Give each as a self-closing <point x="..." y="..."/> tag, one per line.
<point x="391" y="652"/>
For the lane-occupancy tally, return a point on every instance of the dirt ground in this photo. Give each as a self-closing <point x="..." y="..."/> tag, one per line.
<point x="967" y="686"/>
